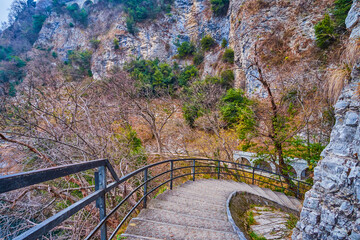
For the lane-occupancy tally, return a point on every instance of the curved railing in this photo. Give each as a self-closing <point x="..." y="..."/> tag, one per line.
<point x="191" y="167"/>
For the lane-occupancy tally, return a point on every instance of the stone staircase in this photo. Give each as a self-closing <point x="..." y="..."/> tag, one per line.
<point x="196" y="210"/>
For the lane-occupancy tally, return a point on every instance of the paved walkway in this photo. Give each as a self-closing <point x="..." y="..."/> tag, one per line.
<point x="196" y="210"/>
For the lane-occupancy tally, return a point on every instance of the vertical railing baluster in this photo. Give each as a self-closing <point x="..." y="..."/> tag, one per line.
<point x="253" y="176"/>
<point x="298" y="190"/>
<point x="100" y="183"/>
<point x="145" y="187"/>
<point x="218" y="172"/>
<point x="193" y="170"/>
<point x="171" y="174"/>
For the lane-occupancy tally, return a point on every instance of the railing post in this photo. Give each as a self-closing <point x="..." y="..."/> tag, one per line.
<point x="298" y="190"/>
<point x="218" y="169"/>
<point x="253" y="176"/>
<point x="100" y="183"/>
<point x="145" y="187"/>
<point x="171" y="174"/>
<point x="193" y="170"/>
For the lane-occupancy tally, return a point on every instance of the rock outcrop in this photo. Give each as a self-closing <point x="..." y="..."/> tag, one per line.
<point x="331" y="208"/>
<point x="245" y="23"/>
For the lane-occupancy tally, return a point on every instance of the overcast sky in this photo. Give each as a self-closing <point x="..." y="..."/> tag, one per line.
<point x="4" y="9"/>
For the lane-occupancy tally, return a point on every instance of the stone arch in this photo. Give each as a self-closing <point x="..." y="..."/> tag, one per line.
<point x="264" y="165"/>
<point x="305" y="174"/>
<point x="244" y="161"/>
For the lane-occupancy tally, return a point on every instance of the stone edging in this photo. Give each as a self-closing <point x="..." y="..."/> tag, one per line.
<point x="231" y="220"/>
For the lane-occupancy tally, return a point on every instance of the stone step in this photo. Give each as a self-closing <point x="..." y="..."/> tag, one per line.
<point x="274" y="196"/>
<point x="199" y="211"/>
<point x="183" y="198"/>
<point x="185" y="194"/>
<point x="196" y="210"/>
<point x="260" y="192"/>
<point x="286" y="200"/>
<point x="135" y="237"/>
<point x="166" y="216"/>
<point x="202" y="193"/>
<point x="296" y="203"/>
<point x="154" y="229"/>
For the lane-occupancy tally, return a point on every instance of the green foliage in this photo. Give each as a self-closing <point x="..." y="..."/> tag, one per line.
<point x="189" y="73"/>
<point x="291" y="221"/>
<point x="71" y="25"/>
<point x="207" y="43"/>
<point x="116" y="43"/>
<point x="201" y="97"/>
<point x="186" y="49"/>
<point x="254" y="236"/>
<point x="340" y="11"/>
<point x="54" y="54"/>
<point x="224" y="43"/>
<point x="79" y="15"/>
<point x="250" y="218"/>
<point x="38" y="21"/>
<point x="130" y="25"/>
<point x="227" y="78"/>
<point x="12" y="71"/>
<point x="152" y="75"/>
<point x="12" y="90"/>
<point x="229" y="56"/>
<point x="191" y="112"/>
<point x="324" y="32"/>
<point x="95" y="43"/>
<point x="198" y="58"/>
<point x="18" y="61"/>
<point x="140" y="10"/>
<point x="235" y="108"/>
<point x="82" y="61"/>
<point x="309" y="151"/>
<point x="219" y="7"/>
<point x="5" y="53"/>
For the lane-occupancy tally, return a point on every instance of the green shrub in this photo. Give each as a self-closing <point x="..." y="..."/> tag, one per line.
<point x="224" y="43"/>
<point x="130" y="25"/>
<point x="18" y="61"/>
<point x="227" y="78"/>
<point x="82" y="61"/>
<point x="54" y="54"/>
<point x="207" y="43"/>
<point x="219" y="7"/>
<point x="95" y="43"/>
<point x="186" y="49"/>
<point x="254" y="236"/>
<point x="235" y="106"/>
<point x="12" y="90"/>
<point x="187" y="74"/>
<point x="5" y="53"/>
<point x="152" y="76"/>
<point x="229" y="55"/>
<point x="77" y="14"/>
<point x="324" y="32"/>
<point x="191" y="113"/>
<point x="38" y="21"/>
<point x="71" y="25"/>
<point x="198" y="58"/>
<point x="116" y="43"/>
<point x="340" y="11"/>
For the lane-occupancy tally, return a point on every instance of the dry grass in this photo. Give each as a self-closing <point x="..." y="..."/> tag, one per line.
<point x="336" y="80"/>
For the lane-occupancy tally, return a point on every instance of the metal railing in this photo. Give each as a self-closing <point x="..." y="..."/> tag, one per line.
<point x="219" y="168"/>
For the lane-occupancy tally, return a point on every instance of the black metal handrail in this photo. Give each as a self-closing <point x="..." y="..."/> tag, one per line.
<point x="20" y="180"/>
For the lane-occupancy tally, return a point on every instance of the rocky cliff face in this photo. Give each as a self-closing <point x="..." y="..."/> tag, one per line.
<point x="244" y="24"/>
<point x="331" y="207"/>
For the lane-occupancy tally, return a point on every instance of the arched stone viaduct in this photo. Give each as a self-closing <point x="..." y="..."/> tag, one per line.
<point x="300" y="166"/>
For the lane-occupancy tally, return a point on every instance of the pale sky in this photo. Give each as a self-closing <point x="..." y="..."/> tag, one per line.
<point x="4" y="9"/>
